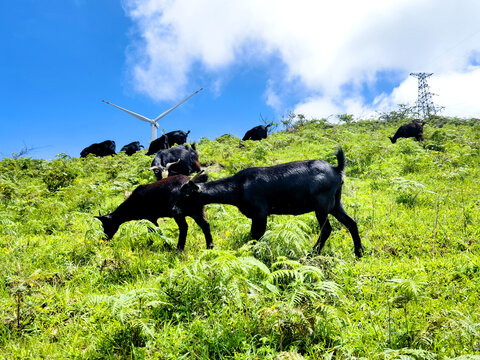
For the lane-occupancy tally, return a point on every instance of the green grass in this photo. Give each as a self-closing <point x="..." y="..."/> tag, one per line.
<point x="65" y="292"/>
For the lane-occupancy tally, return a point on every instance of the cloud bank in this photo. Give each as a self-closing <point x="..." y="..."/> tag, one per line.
<point x="333" y="50"/>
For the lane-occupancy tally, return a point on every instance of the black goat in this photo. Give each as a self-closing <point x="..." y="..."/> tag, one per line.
<point x="160" y="143"/>
<point x="167" y="140"/>
<point x="178" y="137"/>
<point x="132" y="148"/>
<point x="181" y="159"/>
<point x="412" y="129"/>
<point x="104" y="148"/>
<point x="293" y="188"/>
<point x="156" y="200"/>
<point x="257" y="133"/>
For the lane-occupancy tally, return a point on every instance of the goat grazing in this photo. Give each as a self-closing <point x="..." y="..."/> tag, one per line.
<point x="257" y="133"/>
<point x="182" y="159"/>
<point x="104" y="148"/>
<point x="132" y="148"/>
<point x="160" y="143"/>
<point x="178" y="137"/>
<point x="412" y="129"/>
<point x="293" y="188"/>
<point x="167" y="140"/>
<point x="156" y="200"/>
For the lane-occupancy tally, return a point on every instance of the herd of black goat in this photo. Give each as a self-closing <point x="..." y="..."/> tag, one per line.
<point x="293" y="188"/>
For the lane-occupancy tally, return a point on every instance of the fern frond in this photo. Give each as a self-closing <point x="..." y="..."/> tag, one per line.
<point x="282" y="275"/>
<point x="284" y="263"/>
<point x="406" y="354"/>
<point x="252" y="262"/>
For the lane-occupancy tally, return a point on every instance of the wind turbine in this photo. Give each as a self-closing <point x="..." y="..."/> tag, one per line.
<point x="153" y="122"/>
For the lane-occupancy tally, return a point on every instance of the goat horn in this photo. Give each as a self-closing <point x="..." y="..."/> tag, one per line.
<point x="172" y="163"/>
<point x="99" y="213"/>
<point x="197" y="175"/>
<point x="155" y="168"/>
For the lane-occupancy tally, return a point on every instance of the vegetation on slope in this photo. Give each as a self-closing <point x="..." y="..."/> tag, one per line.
<point x="65" y="292"/>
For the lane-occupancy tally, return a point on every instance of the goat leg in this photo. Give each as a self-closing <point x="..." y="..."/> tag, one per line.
<point x="259" y="225"/>
<point x="325" y="231"/>
<point x="183" y="229"/>
<point x="351" y="225"/>
<point x="205" y="226"/>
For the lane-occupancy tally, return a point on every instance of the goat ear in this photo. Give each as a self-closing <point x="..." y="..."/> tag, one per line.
<point x="201" y="178"/>
<point x="103" y="218"/>
<point x="188" y="188"/>
<point x="194" y="187"/>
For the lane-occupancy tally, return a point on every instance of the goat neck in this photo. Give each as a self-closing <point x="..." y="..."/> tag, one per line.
<point x="222" y="191"/>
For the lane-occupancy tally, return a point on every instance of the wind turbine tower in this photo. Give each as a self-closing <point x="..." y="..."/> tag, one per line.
<point x="425" y="106"/>
<point x="153" y="122"/>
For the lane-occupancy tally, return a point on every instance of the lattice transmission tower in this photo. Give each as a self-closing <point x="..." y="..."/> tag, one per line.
<point x="425" y="106"/>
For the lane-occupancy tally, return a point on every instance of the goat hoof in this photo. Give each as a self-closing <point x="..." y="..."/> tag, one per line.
<point x="312" y="254"/>
<point x="167" y="246"/>
<point x="359" y="253"/>
<point x="180" y="252"/>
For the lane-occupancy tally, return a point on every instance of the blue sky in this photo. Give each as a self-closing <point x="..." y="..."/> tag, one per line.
<point x="60" y="58"/>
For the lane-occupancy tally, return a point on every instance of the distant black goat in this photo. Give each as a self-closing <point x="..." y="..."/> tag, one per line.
<point x="293" y="188"/>
<point x="156" y="200"/>
<point x="257" y="133"/>
<point x="412" y="129"/>
<point x="167" y="140"/>
<point x="104" y="148"/>
<point x="160" y="143"/>
<point x="178" y="137"/>
<point x="182" y="159"/>
<point x="132" y="148"/>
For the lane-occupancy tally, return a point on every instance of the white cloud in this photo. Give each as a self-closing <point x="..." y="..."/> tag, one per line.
<point x="272" y="98"/>
<point x="323" y="45"/>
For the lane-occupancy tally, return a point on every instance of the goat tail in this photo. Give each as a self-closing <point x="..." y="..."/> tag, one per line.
<point x="341" y="160"/>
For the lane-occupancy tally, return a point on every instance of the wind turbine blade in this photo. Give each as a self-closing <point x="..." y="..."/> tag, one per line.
<point x="175" y="106"/>
<point x="138" y="116"/>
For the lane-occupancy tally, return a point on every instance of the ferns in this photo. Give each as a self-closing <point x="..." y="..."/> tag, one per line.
<point x="65" y="292"/>
<point x="290" y="239"/>
<point x="130" y="310"/>
<point x="407" y="290"/>
<point x="302" y="285"/>
<point x="406" y="354"/>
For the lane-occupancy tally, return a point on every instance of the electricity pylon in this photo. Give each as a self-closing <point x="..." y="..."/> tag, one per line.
<point x="425" y="106"/>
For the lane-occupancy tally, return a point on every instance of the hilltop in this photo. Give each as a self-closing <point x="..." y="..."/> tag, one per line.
<point x="68" y="293"/>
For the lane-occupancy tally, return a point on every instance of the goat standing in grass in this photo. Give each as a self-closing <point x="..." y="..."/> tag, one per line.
<point x="293" y="188"/>
<point x="257" y="133"/>
<point x="180" y="160"/>
<point x="156" y="200"/>
<point x="412" y="129"/>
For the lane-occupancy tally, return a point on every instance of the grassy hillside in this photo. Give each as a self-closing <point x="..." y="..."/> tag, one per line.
<point x="65" y="292"/>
